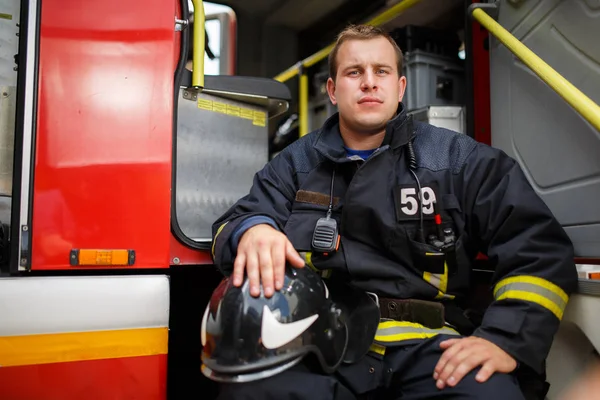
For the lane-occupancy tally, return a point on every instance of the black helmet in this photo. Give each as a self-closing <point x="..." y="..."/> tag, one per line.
<point x="247" y="338"/>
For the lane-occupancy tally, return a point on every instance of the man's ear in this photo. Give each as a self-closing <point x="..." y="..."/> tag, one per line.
<point x="401" y="88"/>
<point x="331" y="91"/>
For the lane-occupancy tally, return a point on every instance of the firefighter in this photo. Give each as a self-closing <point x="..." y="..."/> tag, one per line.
<point x="400" y="209"/>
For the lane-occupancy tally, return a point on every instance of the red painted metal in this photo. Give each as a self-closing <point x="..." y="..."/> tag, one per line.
<point x="580" y="260"/>
<point x="116" y="378"/>
<point x="177" y="35"/>
<point x="481" y="84"/>
<point x="183" y="255"/>
<point x="104" y="130"/>
<point x="233" y="48"/>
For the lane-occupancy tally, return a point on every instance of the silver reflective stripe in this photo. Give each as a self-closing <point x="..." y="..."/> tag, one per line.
<point x="393" y="332"/>
<point x="532" y="288"/>
<point x="436" y="280"/>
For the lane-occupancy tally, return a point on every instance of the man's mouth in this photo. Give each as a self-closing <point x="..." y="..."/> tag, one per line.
<point x="369" y="99"/>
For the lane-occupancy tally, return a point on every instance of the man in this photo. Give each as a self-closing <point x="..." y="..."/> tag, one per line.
<point x="414" y="204"/>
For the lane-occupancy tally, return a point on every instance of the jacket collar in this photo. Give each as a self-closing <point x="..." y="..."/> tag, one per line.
<point x="329" y="142"/>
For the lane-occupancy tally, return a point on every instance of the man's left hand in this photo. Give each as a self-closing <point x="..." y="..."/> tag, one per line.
<point x="461" y="356"/>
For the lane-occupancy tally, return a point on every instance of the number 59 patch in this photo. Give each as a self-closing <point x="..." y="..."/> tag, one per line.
<point x="408" y="202"/>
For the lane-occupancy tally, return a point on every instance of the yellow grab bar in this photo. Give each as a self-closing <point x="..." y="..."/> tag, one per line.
<point x="579" y="101"/>
<point x="380" y="19"/>
<point x="392" y="12"/>
<point x="303" y="105"/>
<point x="199" y="45"/>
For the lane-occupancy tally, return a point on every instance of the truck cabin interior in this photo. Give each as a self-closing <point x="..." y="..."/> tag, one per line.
<point x="459" y="77"/>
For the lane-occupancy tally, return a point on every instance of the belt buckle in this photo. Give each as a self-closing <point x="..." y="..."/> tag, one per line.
<point x="374" y="297"/>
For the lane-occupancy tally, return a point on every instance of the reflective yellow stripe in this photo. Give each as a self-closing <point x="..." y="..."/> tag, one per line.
<point x="534" y="298"/>
<point x="397" y="331"/>
<point x="440" y="281"/>
<point x="533" y="280"/>
<point x="79" y="346"/>
<point x="215" y="239"/>
<point x="326" y="273"/>
<point x="308" y="260"/>
<point x="377" y="348"/>
<point x="533" y="289"/>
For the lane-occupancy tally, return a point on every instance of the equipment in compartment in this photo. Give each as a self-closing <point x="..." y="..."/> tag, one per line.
<point x="9" y="47"/>
<point x="449" y="117"/>
<point x="319" y="104"/>
<point x="433" y="70"/>
<point x="434" y="41"/>
<point x="9" y="41"/>
<point x="432" y="80"/>
<point x="8" y="96"/>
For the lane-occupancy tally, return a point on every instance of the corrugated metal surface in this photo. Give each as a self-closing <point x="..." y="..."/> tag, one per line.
<point x="218" y="154"/>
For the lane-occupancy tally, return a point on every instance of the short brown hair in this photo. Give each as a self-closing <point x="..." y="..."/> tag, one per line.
<point x="360" y="32"/>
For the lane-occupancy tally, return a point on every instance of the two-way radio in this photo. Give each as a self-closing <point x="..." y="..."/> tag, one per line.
<point x="326" y="238"/>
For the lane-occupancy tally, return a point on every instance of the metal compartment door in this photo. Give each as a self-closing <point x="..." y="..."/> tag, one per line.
<point x="558" y="150"/>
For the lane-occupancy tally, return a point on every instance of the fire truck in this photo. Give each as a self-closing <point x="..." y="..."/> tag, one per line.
<point x="128" y="127"/>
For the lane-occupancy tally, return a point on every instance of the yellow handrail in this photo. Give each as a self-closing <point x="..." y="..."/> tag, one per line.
<point x="320" y="55"/>
<point x="199" y="45"/>
<point x="579" y="101"/>
<point x="303" y="105"/>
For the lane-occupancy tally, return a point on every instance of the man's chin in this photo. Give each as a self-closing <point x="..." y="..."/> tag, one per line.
<point x="371" y="126"/>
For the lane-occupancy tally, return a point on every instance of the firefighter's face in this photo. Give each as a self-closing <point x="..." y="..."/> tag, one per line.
<point x="368" y="86"/>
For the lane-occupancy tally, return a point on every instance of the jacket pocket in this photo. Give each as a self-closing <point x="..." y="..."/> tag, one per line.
<point x="427" y="257"/>
<point x="504" y="319"/>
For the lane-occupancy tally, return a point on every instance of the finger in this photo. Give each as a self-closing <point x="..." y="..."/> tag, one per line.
<point x="266" y="269"/>
<point x="253" y="273"/>
<point x="447" y="355"/>
<point x="486" y="371"/>
<point x="293" y="256"/>
<point x="238" y="269"/>
<point x="474" y="360"/>
<point x="449" y="343"/>
<point x="278" y="256"/>
<point x="453" y="363"/>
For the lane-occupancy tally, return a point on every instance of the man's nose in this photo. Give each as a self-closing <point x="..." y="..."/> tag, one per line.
<point x="369" y="82"/>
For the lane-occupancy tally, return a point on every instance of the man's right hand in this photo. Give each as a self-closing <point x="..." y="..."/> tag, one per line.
<point x="262" y="252"/>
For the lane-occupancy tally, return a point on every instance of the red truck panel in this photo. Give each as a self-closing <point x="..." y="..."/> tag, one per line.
<point x="104" y="128"/>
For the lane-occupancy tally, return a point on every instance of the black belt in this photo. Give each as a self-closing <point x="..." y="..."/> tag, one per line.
<point x="427" y="313"/>
<point x="431" y="314"/>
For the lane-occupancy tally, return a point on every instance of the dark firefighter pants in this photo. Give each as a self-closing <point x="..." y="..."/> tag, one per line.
<point x="405" y="372"/>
